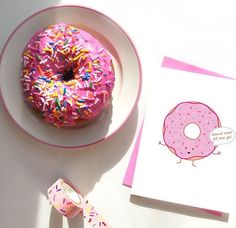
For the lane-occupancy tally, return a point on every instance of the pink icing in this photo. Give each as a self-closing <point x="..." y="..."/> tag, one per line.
<point x="176" y="121"/>
<point x="67" y="75"/>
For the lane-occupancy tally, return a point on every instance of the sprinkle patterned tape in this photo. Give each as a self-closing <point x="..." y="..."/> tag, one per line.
<point x="92" y="216"/>
<point x="68" y="200"/>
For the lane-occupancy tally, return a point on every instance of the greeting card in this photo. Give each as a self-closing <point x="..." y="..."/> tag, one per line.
<point x="187" y="147"/>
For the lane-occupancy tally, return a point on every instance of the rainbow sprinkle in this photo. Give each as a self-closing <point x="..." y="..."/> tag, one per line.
<point x="69" y="72"/>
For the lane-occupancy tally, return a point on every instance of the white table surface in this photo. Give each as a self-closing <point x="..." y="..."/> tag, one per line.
<point x="201" y="32"/>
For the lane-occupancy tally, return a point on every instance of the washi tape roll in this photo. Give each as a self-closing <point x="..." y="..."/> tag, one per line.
<point x="68" y="200"/>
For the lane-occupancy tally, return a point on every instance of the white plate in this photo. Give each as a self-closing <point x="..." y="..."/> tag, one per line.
<point x="127" y="67"/>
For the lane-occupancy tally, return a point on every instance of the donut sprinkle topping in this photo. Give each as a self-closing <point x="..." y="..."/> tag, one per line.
<point x="67" y="75"/>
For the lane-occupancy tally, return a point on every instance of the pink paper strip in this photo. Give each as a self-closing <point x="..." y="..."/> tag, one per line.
<point x="129" y="175"/>
<point x="216" y="213"/>
<point x="178" y="65"/>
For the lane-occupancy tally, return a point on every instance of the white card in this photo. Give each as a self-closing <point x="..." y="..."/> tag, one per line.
<point x="195" y="117"/>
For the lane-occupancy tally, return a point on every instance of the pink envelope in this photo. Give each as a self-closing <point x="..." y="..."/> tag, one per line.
<point x="178" y="65"/>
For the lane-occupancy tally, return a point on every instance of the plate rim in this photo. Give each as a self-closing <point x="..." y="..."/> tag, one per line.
<point x="140" y="76"/>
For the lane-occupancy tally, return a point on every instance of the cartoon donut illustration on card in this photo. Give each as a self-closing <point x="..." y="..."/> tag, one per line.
<point x="192" y="131"/>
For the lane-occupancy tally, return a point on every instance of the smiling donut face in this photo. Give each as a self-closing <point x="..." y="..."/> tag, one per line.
<point x="187" y="128"/>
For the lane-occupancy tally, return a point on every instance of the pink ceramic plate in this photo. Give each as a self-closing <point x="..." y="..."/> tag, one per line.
<point x="127" y="67"/>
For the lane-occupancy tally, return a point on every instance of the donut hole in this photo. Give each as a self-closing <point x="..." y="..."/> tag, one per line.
<point x="192" y="131"/>
<point x="68" y="75"/>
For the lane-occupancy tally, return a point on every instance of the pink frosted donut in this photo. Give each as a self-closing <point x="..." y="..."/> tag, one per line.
<point x="67" y="75"/>
<point x="178" y="119"/>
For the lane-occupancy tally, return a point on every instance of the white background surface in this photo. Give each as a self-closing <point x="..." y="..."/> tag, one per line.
<point x="200" y="32"/>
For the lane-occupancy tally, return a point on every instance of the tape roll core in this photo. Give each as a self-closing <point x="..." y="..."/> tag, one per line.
<point x="71" y="193"/>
